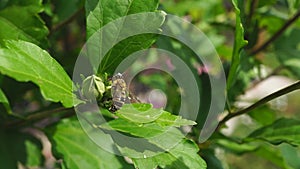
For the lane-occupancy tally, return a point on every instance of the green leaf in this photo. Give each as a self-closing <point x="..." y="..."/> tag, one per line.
<point x="34" y="154"/>
<point x="25" y="62"/>
<point x="287" y="51"/>
<point x="167" y="119"/>
<point x="271" y="22"/>
<point x="291" y="155"/>
<point x="8" y="3"/>
<point x="136" y="129"/>
<point x="126" y="47"/>
<point x="235" y="147"/>
<point x="139" y="113"/>
<point x="194" y="8"/>
<point x="273" y="155"/>
<point x="17" y="147"/>
<point x="211" y="160"/>
<point x="239" y="43"/>
<point x="30" y="28"/>
<point x="163" y="137"/>
<point x="5" y="102"/>
<point x="150" y="146"/>
<point x="263" y="115"/>
<point x="183" y="156"/>
<point x="100" y="13"/>
<point x="144" y="113"/>
<point x="153" y="138"/>
<point x="282" y="130"/>
<point x="77" y="150"/>
<point x="246" y="73"/>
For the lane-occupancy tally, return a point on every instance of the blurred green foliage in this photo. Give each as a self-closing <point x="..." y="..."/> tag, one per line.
<point x="256" y="40"/>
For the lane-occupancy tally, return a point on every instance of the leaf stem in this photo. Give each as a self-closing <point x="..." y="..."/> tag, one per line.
<point x="286" y="90"/>
<point x="37" y="116"/>
<point x="277" y="34"/>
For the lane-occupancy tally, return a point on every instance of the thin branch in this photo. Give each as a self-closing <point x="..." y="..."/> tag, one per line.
<point x="37" y="116"/>
<point x="277" y="34"/>
<point x="46" y="113"/>
<point x="286" y="90"/>
<point x="65" y="22"/>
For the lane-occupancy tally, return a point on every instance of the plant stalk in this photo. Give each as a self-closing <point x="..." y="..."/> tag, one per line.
<point x="286" y="90"/>
<point x="277" y="34"/>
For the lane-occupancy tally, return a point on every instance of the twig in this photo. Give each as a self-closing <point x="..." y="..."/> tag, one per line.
<point x="37" y="116"/>
<point x="286" y="90"/>
<point x="46" y="113"/>
<point x="277" y="34"/>
<point x="65" y="22"/>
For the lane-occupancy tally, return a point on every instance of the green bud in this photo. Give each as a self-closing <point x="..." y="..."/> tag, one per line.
<point x="93" y="87"/>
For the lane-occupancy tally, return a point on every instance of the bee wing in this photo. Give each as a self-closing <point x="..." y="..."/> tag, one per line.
<point x="133" y="98"/>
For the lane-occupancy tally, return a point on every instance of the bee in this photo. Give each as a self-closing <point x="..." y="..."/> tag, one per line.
<point x="120" y="93"/>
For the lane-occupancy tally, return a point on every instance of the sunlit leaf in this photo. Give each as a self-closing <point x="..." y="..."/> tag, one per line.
<point x="25" y="62"/>
<point x="78" y="150"/>
<point x="139" y="113"/>
<point x="183" y="156"/>
<point x="100" y="13"/>
<point x="136" y="129"/>
<point x="239" y="43"/>
<point x="167" y="119"/>
<point x="30" y="28"/>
